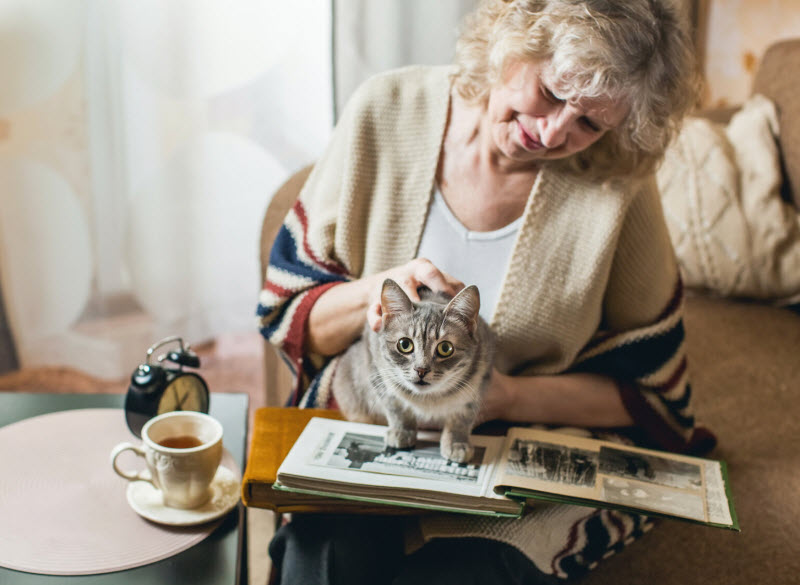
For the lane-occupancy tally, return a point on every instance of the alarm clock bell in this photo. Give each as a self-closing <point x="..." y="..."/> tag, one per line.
<point x="155" y="388"/>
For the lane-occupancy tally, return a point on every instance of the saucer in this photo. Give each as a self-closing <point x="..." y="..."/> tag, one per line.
<point x="148" y="502"/>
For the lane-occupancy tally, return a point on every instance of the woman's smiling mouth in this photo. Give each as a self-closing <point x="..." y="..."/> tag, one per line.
<point x="527" y="140"/>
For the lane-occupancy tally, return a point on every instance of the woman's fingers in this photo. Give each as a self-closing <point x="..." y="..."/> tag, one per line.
<point x="426" y="273"/>
<point x="375" y="316"/>
<point x="410" y="284"/>
<point x="410" y="276"/>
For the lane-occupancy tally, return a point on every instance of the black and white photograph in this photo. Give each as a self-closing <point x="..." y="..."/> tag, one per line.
<point x="650" y="468"/>
<point x="554" y="463"/>
<point x="368" y="453"/>
<point x="653" y="497"/>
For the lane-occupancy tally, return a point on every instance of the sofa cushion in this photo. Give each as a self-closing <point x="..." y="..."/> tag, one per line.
<point x="733" y="233"/>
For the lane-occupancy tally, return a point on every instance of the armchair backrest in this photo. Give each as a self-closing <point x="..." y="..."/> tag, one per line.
<point x="278" y="207"/>
<point x="777" y="78"/>
<point x="277" y="378"/>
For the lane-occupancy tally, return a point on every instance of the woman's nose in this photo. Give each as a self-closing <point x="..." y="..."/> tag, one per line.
<point x="553" y="130"/>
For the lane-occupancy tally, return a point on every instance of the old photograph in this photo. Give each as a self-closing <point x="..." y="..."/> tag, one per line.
<point x="650" y="468"/>
<point x="554" y="463"/>
<point x="368" y="453"/>
<point x="653" y="497"/>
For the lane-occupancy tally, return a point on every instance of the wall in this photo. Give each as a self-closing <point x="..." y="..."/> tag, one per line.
<point x="736" y="34"/>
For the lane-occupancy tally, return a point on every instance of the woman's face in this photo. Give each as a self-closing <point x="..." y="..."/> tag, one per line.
<point x="530" y="122"/>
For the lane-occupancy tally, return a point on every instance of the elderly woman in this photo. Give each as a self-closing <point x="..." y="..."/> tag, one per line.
<point x="527" y="168"/>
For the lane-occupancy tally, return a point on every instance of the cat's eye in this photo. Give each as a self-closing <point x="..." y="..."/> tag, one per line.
<point x="405" y="345"/>
<point x="445" y="349"/>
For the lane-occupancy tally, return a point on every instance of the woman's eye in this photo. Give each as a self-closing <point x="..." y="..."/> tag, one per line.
<point x="445" y="349"/>
<point x="550" y="96"/>
<point x="405" y="345"/>
<point x="589" y="124"/>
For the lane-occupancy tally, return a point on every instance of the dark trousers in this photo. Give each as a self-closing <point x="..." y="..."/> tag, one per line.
<point x="355" y="550"/>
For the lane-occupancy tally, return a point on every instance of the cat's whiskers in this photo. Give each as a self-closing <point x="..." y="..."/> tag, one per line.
<point x="472" y="390"/>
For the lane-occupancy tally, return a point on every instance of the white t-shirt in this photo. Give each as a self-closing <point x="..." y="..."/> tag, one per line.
<point x="478" y="258"/>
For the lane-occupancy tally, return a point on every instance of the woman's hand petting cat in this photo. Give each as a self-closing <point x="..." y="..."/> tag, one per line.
<point x="410" y="276"/>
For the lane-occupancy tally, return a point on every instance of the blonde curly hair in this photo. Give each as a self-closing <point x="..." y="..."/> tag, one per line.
<point x="638" y="51"/>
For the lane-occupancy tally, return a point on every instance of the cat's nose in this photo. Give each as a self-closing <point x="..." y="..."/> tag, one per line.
<point x="421" y="372"/>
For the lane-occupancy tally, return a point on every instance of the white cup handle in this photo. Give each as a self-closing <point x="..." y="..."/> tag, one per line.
<point x="129" y="475"/>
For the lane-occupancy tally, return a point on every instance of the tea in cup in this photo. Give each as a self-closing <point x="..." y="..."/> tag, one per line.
<point x="182" y="451"/>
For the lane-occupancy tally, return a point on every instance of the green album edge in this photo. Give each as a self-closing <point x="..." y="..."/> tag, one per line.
<point x="729" y="494"/>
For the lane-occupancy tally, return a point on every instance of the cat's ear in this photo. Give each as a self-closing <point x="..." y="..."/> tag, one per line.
<point x="394" y="301"/>
<point x="464" y="307"/>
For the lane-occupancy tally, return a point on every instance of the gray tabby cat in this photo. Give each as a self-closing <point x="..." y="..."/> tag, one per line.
<point x="430" y="363"/>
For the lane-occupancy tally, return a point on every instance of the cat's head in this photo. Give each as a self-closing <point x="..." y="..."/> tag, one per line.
<point x="429" y="346"/>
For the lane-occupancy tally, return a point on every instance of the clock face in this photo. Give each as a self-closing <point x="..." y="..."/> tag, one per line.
<point x="185" y="392"/>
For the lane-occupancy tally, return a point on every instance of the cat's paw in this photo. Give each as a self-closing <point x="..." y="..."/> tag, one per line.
<point x="401" y="438"/>
<point x="457" y="451"/>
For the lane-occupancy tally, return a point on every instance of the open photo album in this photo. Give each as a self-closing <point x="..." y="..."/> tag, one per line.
<point x="346" y="465"/>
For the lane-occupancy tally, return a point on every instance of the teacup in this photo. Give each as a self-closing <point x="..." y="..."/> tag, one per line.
<point x="182" y="451"/>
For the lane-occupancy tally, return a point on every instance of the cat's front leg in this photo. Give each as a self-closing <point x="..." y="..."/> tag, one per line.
<point x="402" y="432"/>
<point x="455" y="444"/>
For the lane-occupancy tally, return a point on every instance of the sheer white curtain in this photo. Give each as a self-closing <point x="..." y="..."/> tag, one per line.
<point x="140" y="142"/>
<point x="372" y="36"/>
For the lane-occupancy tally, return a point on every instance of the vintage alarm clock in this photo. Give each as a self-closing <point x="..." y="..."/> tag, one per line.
<point x="156" y="388"/>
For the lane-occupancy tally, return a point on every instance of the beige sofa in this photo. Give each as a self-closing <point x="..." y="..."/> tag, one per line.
<point x="745" y="364"/>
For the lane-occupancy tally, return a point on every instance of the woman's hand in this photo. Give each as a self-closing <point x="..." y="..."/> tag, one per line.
<point x="575" y="399"/>
<point x="410" y="276"/>
<point x="498" y="399"/>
